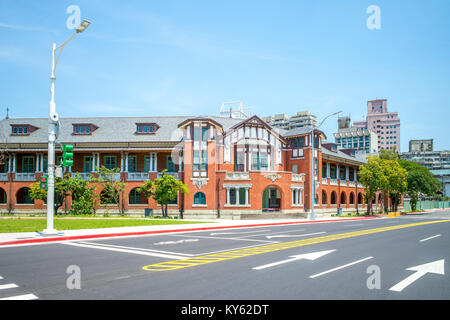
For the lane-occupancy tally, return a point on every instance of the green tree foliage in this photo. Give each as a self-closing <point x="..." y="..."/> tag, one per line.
<point x="111" y="187"/>
<point x="371" y="175"/>
<point x="420" y="181"/>
<point x="397" y="182"/>
<point x="163" y="190"/>
<point x="83" y="195"/>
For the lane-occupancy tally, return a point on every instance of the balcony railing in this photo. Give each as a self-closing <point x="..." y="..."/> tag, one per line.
<point x="297" y="177"/>
<point x="25" y="176"/>
<point x="237" y="176"/>
<point x="173" y="174"/>
<point x="137" y="176"/>
<point x="324" y="181"/>
<point x="334" y="182"/>
<point x="3" y="177"/>
<point x="351" y="183"/>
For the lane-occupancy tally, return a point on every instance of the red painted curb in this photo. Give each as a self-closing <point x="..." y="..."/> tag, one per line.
<point x="109" y="235"/>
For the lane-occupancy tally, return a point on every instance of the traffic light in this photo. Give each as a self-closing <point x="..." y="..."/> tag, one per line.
<point x="44" y="185"/>
<point x="67" y="157"/>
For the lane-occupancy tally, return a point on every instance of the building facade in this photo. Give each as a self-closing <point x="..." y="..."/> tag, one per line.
<point x="301" y="119"/>
<point x="233" y="168"/>
<point x="385" y="124"/>
<point x="438" y="162"/>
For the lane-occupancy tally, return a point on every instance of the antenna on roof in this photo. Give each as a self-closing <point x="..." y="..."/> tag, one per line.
<point x="236" y="113"/>
<point x="7" y="113"/>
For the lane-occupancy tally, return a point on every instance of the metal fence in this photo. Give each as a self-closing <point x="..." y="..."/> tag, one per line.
<point x="427" y="204"/>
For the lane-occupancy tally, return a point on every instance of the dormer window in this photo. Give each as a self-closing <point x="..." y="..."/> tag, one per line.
<point x="22" y="129"/>
<point x="146" y="128"/>
<point x="83" y="128"/>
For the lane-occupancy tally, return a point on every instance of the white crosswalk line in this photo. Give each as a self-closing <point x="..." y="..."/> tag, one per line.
<point x="8" y="286"/>
<point x="29" y="296"/>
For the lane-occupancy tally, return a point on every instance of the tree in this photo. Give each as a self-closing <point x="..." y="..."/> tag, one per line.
<point x="83" y="195"/>
<point x="163" y="190"/>
<point x="61" y="192"/>
<point x="420" y="180"/>
<point x="371" y="175"/>
<point x="112" y="188"/>
<point x="397" y="182"/>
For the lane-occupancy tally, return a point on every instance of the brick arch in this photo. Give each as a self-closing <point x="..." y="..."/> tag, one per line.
<point x="3" y="196"/>
<point x="23" y="196"/>
<point x="333" y="197"/>
<point x="343" y="197"/>
<point x="324" y="197"/>
<point x="351" y="198"/>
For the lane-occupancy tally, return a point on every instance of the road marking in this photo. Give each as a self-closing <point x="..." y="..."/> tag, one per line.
<point x="353" y="225"/>
<point x="339" y="268"/>
<point x="21" y="297"/>
<point x="138" y="249"/>
<point x="309" y="256"/>
<point x="294" y="235"/>
<point x="205" y="259"/>
<point x="175" y="242"/>
<point x="225" y="233"/>
<point x="436" y="267"/>
<point x="8" y="286"/>
<point x="438" y="235"/>
<point x="144" y="253"/>
<point x="223" y="238"/>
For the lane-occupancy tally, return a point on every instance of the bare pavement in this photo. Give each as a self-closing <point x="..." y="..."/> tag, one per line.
<point x="404" y="257"/>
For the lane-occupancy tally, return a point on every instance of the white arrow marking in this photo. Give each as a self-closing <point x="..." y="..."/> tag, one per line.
<point x="221" y="233"/>
<point x="309" y="256"/>
<point x="175" y="242"/>
<point x="293" y="235"/>
<point x="436" y="267"/>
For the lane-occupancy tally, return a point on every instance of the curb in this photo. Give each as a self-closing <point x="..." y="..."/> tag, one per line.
<point x="111" y="235"/>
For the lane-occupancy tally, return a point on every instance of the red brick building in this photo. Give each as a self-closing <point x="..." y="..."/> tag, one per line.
<point x="233" y="168"/>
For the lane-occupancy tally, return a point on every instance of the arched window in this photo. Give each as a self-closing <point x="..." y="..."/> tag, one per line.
<point x="23" y="196"/>
<point x="352" y="198"/>
<point x="324" y="197"/>
<point x="2" y="196"/>
<point x="136" y="198"/>
<point x="360" y="198"/>
<point x="199" y="198"/>
<point x="343" y="198"/>
<point x="333" y="197"/>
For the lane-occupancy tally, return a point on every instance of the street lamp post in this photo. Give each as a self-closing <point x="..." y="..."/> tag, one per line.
<point x="313" y="180"/>
<point x="52" y="132"/>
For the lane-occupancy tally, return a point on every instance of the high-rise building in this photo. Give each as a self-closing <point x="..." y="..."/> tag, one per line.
<point x="300" y="120"/>
<point x="360" y="139"/>
<point x="385" y="124"/>
<point x="438" y="162"/>
<point x="420" y="145"/>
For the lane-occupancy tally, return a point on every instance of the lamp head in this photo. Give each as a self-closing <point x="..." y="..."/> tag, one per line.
<point x="83" y="25"/>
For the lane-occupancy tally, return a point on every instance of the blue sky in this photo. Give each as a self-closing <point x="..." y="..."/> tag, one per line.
<point x="145" y="58"/>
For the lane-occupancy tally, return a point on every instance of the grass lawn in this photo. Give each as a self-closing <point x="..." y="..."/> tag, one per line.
<point x="10" y="225"/>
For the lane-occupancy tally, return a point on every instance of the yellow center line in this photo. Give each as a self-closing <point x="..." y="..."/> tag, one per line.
<point x="234" y="254"/>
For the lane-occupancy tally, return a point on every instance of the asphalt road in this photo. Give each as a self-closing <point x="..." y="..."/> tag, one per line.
<point x="364" y="259"/>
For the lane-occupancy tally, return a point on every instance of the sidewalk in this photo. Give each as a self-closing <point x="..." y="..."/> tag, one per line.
<point x="34" y="237"/>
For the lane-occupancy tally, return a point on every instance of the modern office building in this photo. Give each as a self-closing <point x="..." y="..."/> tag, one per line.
<point x="362" y="140"/>
<point x="385" y="124"/>
<point x="300" y="120"/>
<point x="420" y="145"/>
<point x="233" y="168"/>
<point x="421" y="152"/>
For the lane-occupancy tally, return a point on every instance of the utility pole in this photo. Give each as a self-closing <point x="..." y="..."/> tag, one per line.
<point x="52" y="133"/>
